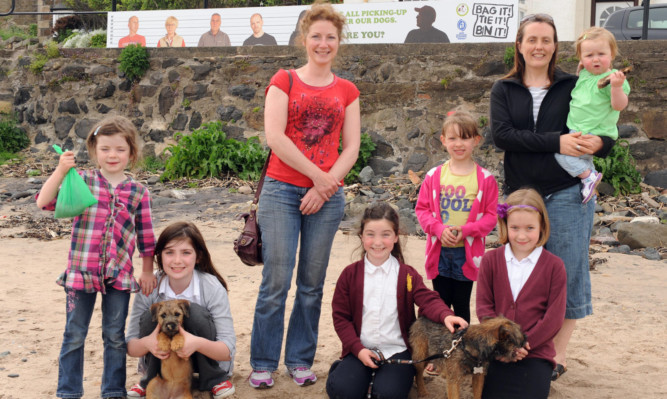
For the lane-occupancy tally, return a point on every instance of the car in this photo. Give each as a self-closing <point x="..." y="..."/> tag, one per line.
<point x="626" y="24"/>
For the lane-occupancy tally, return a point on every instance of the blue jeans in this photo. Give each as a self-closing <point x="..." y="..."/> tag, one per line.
<point x="574" y="166"/>
<point x="283" y="228"/>
<point x="571" y="227"/>
<point x="70" y="363"/>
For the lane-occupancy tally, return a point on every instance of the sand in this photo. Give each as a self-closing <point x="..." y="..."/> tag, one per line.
<point x="618" y="352"/>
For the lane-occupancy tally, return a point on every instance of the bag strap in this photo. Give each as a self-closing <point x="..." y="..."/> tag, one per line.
<point x="260" y="184"/>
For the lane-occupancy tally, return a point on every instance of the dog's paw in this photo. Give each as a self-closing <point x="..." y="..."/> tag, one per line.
<point x="163" y="342"/>
<point x="177" y="342"/>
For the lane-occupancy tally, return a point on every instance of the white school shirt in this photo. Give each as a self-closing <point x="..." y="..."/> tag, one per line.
<point x="192" y="293"/>
<point x="379" y="325"/>
<point x="519" y="271"/>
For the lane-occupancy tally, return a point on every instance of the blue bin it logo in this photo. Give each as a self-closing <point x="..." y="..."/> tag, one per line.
<point x="461" y="25"/>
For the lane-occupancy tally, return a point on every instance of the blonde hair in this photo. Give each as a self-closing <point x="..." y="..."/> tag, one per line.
<point x="596" y="32"/>
<point x="466" y="123"/>
<point x="527" y="200"/>
<point x="171" y="18"/>
<point x="321" y="11"/>
<point x="115" y="125"/>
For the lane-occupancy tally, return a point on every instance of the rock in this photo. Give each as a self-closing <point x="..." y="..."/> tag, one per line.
<point x="200" y="71"/>
<point x="170" y="62"/>
<point x="413" y="133"/>
<point x="651" y="254"/>
<point x="646" y="219"/>
<point x="405" y="204"/>
<point x="417" y="161"/>
<point x="627" y="131"/>
<point x="229" y="113"/>
<point x="642" y="235"/>
<point x="83" y="106"/>
<point x="70" y="106"/>
<point x="195" y="91"/>
<point x="621" y="249"/>
<point x="33" y="180"/>
<point x="102" y="108"/>
<point x="125" y="85"/>
<point x="147" y="90"/>
<point x="153" y="180"/>
<point x="654" y="122"/>
<point x="407" y="223"/>
<point x="166" y="100"/>
<point x="63" y="125"/>
<point x="367" y="193"/>
<point x="158" y="135"/>
<point x="382" y="167"/>
<point x="104" y="90"/>
<point x="84" y="127"/>
<point x="604" y="240"/>
<point x="181" y="194"/>
<point x="156" y="78"/>
<point x="243" y="91"/>
<point x="173" y="76"/>
<point x="5" y="354"/>
<point x="366" y="175"/>
<point x="12" y="375"/>
<point x="657" y="178"/>
<point x="77" y="72"/>
<point x="493" y="67"/>
<point x="605" y="189"/>
<point x="245" y="190"/>
<point x="378" y="190"/>
<point x="195" y="121"/>
<point x="22" y="95"/>
<point x="40" y="138"/>
<point x="179" y="122"/>
<point x="100" y="70"/>
<point x="34" y="114"/>
<point x="663" y="199"/>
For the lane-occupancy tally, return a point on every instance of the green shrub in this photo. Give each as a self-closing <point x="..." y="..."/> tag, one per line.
<point x="52" y="51"/>
<point x="208" y="152"/>
<point x="134" y="61"/>
<point x="365" y="152"/>
<point x="99" y="40"/>
<point x="508" y="58"/>
<point x="17" y="31"/>
<point x="619" y="169"/>
<point x="12" y="138"/>
<point x="152" y="164"/>
<point x="32" y="30"/>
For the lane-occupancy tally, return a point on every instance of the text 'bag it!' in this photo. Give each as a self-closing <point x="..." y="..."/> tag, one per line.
<point x="74" y="195"/>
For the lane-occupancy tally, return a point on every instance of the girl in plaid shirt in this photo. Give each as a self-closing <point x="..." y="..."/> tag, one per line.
<point x="100" y="258"/>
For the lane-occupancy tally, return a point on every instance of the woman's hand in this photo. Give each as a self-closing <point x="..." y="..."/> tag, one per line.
<point x="575" y="144"/>
<point x="451" y="321"/>
<point x="326" y="185"/>
<point x="311" y="202"/>
<point x="366" y="357"/>
<point x="150" y="343"/>
<point x="190" y="344"/>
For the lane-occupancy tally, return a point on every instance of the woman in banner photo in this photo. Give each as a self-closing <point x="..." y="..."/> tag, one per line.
<point x="307" y="111"/>
<point x="171" y="39"/>
<point x="529" y="109"/>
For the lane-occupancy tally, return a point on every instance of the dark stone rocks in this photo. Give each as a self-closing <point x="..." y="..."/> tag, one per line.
<point x="77" y="72"/>
<point x="413" y="133"/>
<point x="654" y="122"/>
<point x="490" y="68"/>
<point x="34" y="114"/>
<point x="40" y="138"/>
<point x="657" y="179"/>
<point x="156" y="78"/>
<point x="242" y="91"/>
<point x="100" y="70"/>
<point x="102" y="108"/>
<point x="195" y="91"/>
<point x="104" y="90"/>
<point x="200" y="71"/>
<point x="84" y="127"/>
<point x="63" y="125"/>
<point x="382" y="147"/>
<point x="173" y="76"/>
<point x="83" y="106"/>
<point x="125" y="85"/>
<point x="383" y="167"/>
<point x="179" y="122"/>
<point x="417" y="161"/>
<point x="195" y="121"/>
<point x="234" y="132"/>
<point x="70" y="106"/>
<point x="166" y="100"/>
<point x="147" y="90"/>
<point x="170" y="62"/>
<point x="229" y="113"/>
<point x="22" y="95"/>
<point x="158" y="135"/>
<point x="627" y="131"/>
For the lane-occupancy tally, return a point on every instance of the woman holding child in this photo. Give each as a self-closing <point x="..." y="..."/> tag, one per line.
<point x="307" y="110"/>
<point x="529" y="109"/>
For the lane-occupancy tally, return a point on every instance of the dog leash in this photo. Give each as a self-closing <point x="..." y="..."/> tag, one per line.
<point x="382" y="361"/>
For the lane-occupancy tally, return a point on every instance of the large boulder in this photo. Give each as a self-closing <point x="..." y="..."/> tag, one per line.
<point x="642" y="235"/>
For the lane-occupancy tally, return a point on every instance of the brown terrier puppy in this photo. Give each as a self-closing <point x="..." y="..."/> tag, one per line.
<point x="480" y="343"/>
<point x="176" y="372"/>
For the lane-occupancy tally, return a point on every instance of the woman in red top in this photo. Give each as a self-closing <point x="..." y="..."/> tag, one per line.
<point x="307" y="111"/>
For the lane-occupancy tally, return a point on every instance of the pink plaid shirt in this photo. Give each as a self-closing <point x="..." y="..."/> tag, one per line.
<point x="104" y="236"/>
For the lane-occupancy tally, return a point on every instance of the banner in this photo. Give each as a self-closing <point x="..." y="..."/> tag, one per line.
<point x="392" y="22"/>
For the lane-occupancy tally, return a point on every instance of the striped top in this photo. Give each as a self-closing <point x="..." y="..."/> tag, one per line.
<point x="104" y="236"/>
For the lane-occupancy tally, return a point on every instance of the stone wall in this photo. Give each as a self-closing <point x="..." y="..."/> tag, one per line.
<point x="406" y="90"/>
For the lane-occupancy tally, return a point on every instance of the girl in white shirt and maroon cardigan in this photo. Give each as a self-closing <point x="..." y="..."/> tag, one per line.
<point x="373" y="308"/>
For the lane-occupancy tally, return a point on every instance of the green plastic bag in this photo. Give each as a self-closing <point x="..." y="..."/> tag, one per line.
<point x="74" y="195"/>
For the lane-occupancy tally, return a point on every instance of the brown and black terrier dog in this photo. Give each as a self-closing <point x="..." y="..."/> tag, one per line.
<point x="176" y="372"/>
<point x="480" y="343"/>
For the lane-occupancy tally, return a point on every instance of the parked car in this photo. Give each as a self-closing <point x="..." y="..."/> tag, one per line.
<point x="626" y="24"/>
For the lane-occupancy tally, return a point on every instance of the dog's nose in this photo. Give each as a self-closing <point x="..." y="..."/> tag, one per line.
<point x="172" y="326"/>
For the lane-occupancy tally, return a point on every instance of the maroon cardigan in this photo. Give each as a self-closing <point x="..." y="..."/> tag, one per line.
<point x="348" y="300"/>
<point x="540" y="306"/>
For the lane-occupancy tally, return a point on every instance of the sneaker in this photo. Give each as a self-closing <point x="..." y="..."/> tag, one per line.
<point x="260" y="379"/>
<point x="223" y="390"/>
<point x="302" y="376"/>
<point x="136" y="392"/>
<point x="589" y="185"/>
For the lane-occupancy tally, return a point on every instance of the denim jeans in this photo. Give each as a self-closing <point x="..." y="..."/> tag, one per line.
<point x="283" y="228"/>
<point x="571" y="226"/>
<point x="575" y="166"/>
<point x="70" y="363"/>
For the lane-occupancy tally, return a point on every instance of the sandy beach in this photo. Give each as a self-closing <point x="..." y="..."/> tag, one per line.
<point x="617" y="352"/>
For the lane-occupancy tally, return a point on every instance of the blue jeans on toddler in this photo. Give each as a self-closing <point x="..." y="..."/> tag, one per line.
<point x="80" y="307"/>
<point x="575" y="166"/>
<point x="283" y="228"/>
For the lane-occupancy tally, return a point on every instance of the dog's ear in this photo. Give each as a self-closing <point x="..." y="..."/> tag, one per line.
<point x="155" y="308"/>
<point x="185" y="307"/>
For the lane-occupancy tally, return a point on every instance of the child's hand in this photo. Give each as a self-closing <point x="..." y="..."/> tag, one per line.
<point x="190" y="344"/>
<point x="450" y="236"/>
<point x="150" y="342"/>
<point x="521" y="353"/>
<point x="366" y="357"/>
<point x="66" y="162"/>
<point x="580" y="67"/>
<point x="451" y="321"/>
<point x="617" y="78"/>
<point x="148" y="282"/>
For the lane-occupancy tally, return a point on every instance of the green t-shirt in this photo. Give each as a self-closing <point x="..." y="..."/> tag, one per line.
<point x="590" y="107"/>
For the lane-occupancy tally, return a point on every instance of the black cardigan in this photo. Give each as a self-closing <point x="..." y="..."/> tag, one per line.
<point x="529" y="148"/>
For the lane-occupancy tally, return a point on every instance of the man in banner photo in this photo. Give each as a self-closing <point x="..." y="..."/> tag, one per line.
<point x="132" y="38"/>
<point x="215" y="37"/>
<point x="426" y="32"/>
<point x="258" y="37"/>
